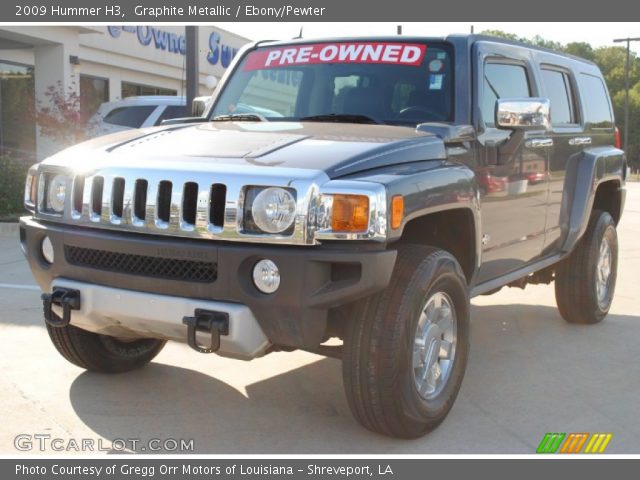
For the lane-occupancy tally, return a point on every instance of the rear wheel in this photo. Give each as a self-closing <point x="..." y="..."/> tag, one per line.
<point x="405" y="350"/>
<point x="102" y="353"/>
<point x="586" y="280"/>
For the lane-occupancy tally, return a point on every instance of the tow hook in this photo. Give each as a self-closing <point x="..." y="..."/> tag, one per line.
<point x="215" y="323"/>
<point x="65" y="298"/>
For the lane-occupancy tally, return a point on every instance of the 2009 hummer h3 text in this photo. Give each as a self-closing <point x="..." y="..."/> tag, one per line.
<point x="354" y="189"/>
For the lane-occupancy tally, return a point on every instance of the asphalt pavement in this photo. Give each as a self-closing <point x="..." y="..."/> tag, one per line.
<point x="529" y="373"/>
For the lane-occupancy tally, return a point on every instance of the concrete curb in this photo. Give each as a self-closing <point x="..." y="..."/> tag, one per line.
<point x="9" y="228"/>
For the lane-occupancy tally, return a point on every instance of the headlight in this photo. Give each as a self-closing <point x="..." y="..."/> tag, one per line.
<point x="56" y="193"/>
<point x="270" y="210"/>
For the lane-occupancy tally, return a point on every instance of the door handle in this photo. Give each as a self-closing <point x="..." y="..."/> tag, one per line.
<point x="580" y="141"/>
<point x="539" y="143"/>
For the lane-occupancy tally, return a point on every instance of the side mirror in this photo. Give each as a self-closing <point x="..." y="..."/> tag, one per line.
<point x="523" y="113"/>
<point x="198" y="106"/>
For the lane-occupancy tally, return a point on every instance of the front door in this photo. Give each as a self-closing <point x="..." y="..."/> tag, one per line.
<point x="512" y="168"/>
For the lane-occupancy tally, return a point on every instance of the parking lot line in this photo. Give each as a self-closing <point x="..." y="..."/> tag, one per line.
<point x="19" y="287"/>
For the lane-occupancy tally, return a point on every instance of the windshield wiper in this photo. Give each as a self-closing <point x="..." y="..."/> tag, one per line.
<point x="239" y="117"/>
<point x="341" y="118"/>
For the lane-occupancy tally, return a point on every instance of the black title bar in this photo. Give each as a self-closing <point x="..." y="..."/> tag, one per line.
<point x="314" y="469"/>
<point x="149" y="11"/>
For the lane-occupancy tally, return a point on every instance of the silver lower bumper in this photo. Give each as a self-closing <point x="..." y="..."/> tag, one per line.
<point x="128" y="314"/>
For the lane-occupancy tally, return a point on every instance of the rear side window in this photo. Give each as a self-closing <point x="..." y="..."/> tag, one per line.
<point x="172" y="111"/>
<point x="502" y="80"/>
<point x="558" y="88"/>
<point x="596" y="102"/>
<point x="132" y="117"/>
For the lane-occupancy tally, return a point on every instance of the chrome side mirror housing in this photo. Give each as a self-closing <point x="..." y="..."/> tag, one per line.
<point x="523" y="113"/>
<point x="199" y="106"/>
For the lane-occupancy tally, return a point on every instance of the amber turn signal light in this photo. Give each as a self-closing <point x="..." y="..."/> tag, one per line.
<point x="350" y="213"/>
<point x="397" y="211"/>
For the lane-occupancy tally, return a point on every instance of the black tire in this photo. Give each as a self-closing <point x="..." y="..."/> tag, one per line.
<point x="577" y="275"/>
<point x="102" y="353"/>
<point x="378" y="370"/>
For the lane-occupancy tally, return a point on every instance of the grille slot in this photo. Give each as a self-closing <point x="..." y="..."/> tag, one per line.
<point x="140" y="199"/>
<point x="142" y="265"/>
<point x="78" y="193"/>
<point x="117" y="197"/>
<point x="96" y="195"/>
<point x="189" y="202"/>
<point x="163" y="207"/>
<point x="217" y="204"/>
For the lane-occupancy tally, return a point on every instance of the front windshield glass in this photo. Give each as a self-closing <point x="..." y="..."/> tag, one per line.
<point x="397" y="83"/>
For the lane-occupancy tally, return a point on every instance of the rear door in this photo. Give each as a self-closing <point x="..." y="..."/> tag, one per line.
<point x="569" y="139"/>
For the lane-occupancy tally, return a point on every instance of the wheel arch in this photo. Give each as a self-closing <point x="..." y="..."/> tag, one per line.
<point x="453" y="230"/>
<point x="594" y="179"/>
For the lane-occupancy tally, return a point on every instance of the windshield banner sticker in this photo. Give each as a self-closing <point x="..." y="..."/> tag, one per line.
<point x="355" y="52"/>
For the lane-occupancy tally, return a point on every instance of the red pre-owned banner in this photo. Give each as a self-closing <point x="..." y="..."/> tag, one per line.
<point x="351" y="52"/>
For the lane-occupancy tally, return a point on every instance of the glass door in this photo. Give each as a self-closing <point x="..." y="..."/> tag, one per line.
<point x="17" y="104"/>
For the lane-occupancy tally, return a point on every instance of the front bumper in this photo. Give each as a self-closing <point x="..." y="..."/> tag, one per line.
<point x="313" y="279"/>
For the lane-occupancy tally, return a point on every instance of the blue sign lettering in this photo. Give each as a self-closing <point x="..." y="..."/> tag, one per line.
<point x="174" y="43"/>
<point x="113" y="31"/>
<point x="219" y="52"/>
<point x="145" y="35"/>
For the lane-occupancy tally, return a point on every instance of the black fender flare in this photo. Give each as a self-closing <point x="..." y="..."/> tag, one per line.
<point x="585" y="172"/>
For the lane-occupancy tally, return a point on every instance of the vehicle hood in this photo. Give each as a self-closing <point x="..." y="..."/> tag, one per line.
<point x="338" y="149"/>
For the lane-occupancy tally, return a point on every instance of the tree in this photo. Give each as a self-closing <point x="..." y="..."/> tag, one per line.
<point x="580" y="49"/>
<point x="501" y="34"/>
<point x="59" y="116"/>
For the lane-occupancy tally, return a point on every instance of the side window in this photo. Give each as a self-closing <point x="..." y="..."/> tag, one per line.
<point x="502" y="80"/>
<point x="596" y="102"/>
<point x="558" y="88"/>
<point x="132" y="117"/>
<point x="172" y="111"/>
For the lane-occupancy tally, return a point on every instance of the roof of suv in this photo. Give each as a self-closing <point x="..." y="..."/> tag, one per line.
<point x="469" y="38"/>
<point x="155" y="100"/>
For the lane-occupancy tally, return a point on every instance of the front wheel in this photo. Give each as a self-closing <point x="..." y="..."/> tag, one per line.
<point x="102" y="353"/>
<point x="406" y="349"/>
<point x="586" y="280"/>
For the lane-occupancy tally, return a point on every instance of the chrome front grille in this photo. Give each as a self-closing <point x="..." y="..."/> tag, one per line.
<point x="116" y="200"/>
<point x="187" y="203"/>
<point x="156" y="205"/>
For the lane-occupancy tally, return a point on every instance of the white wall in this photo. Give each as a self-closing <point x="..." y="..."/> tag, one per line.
<point x="121" y="58"/>
<point x="111" y="53"/>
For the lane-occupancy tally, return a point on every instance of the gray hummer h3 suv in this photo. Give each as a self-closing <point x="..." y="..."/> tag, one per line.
<point x="354" y="189"/>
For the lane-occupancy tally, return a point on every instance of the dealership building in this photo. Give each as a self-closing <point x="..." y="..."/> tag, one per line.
<point x="99" y="63"/>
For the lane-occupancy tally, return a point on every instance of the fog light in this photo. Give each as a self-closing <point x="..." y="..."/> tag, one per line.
<point x="47" y="250"/>
<point x="266" y="276"/>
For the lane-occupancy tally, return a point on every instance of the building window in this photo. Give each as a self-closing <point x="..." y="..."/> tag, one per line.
<point x="17" y="102"/>
<point x="93" y="92"/>
<point x="136" y="90"/>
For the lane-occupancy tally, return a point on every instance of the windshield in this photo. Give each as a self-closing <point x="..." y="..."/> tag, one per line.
<point x="396" y="83"/>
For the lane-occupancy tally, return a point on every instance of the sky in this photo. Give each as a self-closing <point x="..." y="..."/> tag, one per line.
<point x="597" y="34"/>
